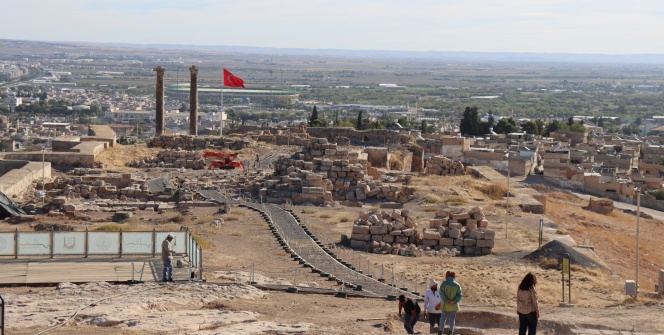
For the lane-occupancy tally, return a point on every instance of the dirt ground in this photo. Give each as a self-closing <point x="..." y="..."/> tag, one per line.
<point x="243" y="240"/>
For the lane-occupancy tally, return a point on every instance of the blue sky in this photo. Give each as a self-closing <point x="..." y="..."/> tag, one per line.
<point x="547" y="26"/>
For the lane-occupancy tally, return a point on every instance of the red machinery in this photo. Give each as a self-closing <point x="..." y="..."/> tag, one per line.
<point x="226" y="161"/>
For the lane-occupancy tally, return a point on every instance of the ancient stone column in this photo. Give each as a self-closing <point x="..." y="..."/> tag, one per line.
<point x="193" y="101"/>
<point x="159" y="105"/>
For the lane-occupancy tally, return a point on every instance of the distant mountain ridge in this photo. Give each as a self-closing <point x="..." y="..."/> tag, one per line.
<point x="393" y="54"/>
<point x="423" y="55"/>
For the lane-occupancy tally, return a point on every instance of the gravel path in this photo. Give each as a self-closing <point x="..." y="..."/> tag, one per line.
<point x="312" y="252"/>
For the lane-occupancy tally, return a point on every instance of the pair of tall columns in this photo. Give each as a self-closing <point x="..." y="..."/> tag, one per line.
<point x="193" y="101"/>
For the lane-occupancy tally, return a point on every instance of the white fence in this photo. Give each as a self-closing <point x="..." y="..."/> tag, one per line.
<point x="114" y="244"/>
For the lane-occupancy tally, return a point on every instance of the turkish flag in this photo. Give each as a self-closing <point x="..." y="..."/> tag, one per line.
<point x="232" y="81"/>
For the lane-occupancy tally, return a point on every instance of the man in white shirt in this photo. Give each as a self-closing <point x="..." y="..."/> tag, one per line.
<point x="432" y="302"/>
<point x="167" y="256"/>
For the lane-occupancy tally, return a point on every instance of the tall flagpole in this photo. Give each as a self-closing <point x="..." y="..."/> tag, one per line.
<point x="221" y="104"/>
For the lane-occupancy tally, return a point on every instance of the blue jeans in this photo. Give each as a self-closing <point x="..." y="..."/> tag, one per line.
<point x="443" y="319"/>
<point x="168" y="269"/>
<point x="410" y="326"/>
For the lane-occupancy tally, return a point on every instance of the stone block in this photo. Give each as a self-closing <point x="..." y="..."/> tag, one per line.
<point x="361" y="230"/>
<point x="379" y="230"/>
<point x="442" y="214"/>
<point x="461" y="216"/>
<point x="388" y="238"/>
<point x="485" y="243"/>
<point x="435" y="223"/>
<point x="455" y="225"/>
<point x="59" y="201"/>
<point x="483" y="223"/>
<point x="377" y="238"/>
<point x="446" y="241"/>
<point x="431" y="234"/>
<point x="458" y="242"/>
<point x="401" y="239"/>
<point x="489" y="235"/>
<point x="660" y="285"/>
<point x="408" y="232"/>
<point x="396" y="232"/>
<point x="412" y="239"/>
<point x="430" y="242"/>
<point x="373" y="219"/>
<point x="355" y="244"/>
<point x="469" y="242"/>
<point x="454" y="233"/>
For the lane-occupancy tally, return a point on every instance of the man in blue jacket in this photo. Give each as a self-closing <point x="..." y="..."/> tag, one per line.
<point x="450" y="293"/>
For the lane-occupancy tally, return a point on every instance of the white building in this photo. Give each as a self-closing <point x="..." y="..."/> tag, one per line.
<point x="13" y="101"/>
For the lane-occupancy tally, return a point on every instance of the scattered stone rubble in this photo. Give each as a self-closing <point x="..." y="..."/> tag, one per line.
<point x="170" y="158"/>
<point x="601" y="206"/>
<point x="461" y="232"/>
<point x="93" y="186"/>
<point x="324" y="174"/>
<point x="443" y="166"/>
<point x="384" y="232"/>
<point x="189" y="142"/>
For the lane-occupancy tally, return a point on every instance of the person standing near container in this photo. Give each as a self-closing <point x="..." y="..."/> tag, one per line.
<point x="167" y="256"/>
<point x="527" y="306"/>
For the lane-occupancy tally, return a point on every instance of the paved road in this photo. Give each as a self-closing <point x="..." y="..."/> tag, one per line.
<point x="309" y="250"/>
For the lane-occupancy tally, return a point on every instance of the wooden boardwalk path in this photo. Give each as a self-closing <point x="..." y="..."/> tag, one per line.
<point x="80" y="270"/>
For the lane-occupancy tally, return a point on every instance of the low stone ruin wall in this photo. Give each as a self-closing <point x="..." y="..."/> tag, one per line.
<point x="324" y="173"/>
<point x="189" y="142"/>
<point x="442" y="166"/>
<point x="463" y="232"/>
<point x="172" y="159"/>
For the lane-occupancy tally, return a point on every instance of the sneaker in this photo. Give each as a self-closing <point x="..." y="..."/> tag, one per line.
<point x="171" y="280"/>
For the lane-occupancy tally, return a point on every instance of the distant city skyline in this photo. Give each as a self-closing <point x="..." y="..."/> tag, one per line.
<point x="537" y="26"/>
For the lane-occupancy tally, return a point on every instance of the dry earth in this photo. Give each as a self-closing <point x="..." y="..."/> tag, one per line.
<point x="489" y="282"/>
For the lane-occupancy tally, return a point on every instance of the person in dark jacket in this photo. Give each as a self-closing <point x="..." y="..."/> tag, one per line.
<point x="411" y="311"/>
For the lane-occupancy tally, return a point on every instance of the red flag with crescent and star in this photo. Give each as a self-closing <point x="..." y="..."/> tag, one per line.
<point x="232" y="81"/>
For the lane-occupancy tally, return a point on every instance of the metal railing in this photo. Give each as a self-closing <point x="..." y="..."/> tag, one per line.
<point x="85" y="243"/>
<point x="2" y="315"/>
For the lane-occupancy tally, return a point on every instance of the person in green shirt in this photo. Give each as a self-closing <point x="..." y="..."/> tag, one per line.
<point x="450" y="293"/>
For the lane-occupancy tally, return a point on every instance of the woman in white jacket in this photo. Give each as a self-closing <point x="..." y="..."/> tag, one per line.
<point x="432" y="302"/>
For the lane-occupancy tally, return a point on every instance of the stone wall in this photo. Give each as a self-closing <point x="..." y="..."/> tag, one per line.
<point x="17" y="180"/>
<point x="172" y="159"/>
<point x="372" y="137"/>
<point x="323" y="173"/>
<point x="94" y="184"/>
<point x="188" y="142"/>
<point x="441" y="166"/>
<point x="396" y="232"/>
<point x="378" y="157"/>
